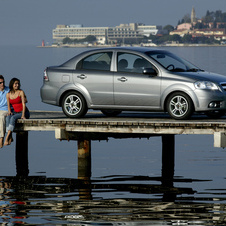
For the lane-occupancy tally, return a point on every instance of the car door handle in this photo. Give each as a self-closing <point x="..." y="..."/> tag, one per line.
<point x="82" y="76"/>
<point x="122" y="79"/>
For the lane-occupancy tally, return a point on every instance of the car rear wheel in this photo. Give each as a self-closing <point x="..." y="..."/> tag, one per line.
<point x="74" y="105"/>
<point x="110" y="113"/>
<point x="179" y="106"/>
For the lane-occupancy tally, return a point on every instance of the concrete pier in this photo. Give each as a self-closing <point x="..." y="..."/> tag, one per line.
<point x="95" y="126"/>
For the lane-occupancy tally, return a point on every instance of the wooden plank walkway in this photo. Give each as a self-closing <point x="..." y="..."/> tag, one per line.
<point x="129" y="124"/>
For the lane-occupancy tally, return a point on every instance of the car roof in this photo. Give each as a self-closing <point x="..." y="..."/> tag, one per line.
<point x="129" y="48"/>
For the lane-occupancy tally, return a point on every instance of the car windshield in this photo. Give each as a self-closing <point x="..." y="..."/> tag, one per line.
<point x="172" y="62"/>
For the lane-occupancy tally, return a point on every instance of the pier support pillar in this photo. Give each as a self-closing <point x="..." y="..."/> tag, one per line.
<point x="84" y="159"/>
<point x="22" y="153"/>
<point x="84" y="168"/>
<point x="220" y="139"/>
<point x="168" y="159"/>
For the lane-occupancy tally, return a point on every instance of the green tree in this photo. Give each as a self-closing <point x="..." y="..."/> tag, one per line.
<point x="187" y="38"/>
<point x="89" y="38"/>
<point x="209" y="17"/>
<point x="169" y="28"/>
<point x="200" y="26"/>
<point x="175" y="38"/>
<point x="186" y="18"/>
<point x="67" y="40"/>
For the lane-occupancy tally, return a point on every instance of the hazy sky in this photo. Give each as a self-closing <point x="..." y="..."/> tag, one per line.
<point x="31" y="21"/>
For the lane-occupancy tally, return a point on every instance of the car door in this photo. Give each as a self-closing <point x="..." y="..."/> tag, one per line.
<point x="131" y="86"/>
<point x="95" y="78"/>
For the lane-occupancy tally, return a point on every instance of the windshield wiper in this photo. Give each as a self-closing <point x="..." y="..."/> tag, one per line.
<point x="178" y="70"/>
<point x="195" y="69"/>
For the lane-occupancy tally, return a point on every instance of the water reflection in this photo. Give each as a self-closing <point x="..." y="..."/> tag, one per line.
<point x="141" y="199"/>
<point x="109" y="200"/>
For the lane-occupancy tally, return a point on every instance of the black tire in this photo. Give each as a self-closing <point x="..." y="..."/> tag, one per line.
<point x="74" y="105"/>
<point x="179" y="105"/>
<point x="215" y="114"/>
<point x="111" y="113"/>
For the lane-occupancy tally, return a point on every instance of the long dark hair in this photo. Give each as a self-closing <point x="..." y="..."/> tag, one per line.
<point x="12" y="81"/>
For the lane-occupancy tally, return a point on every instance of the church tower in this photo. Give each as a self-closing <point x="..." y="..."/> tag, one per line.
<point x="193" y="16"/>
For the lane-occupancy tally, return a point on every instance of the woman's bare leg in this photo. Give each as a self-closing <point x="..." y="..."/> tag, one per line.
<point x="8" y="138"/>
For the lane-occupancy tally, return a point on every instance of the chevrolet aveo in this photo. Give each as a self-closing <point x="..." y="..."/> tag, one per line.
<point x="133" y="79"/>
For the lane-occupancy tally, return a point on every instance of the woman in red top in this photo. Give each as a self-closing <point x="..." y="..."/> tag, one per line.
<point x="16" y="101"/>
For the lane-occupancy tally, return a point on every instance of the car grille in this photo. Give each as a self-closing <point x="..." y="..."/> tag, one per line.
<point x="223" y="84"/>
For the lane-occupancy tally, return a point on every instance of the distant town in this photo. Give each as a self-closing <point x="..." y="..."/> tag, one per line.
<point x="209" y="30"/>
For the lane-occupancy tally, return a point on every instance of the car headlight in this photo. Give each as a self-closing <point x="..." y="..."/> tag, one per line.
<point x="205" y="85"/>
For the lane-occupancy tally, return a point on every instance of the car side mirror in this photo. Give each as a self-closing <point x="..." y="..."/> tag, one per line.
<point x="149" y="71"/>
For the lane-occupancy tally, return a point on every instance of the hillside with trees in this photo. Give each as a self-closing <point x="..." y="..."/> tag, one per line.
<point x="212" y="20"/>
<point x="218" y="19"/>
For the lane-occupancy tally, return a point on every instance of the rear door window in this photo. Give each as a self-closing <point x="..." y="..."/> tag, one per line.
<point x="98" y="61"/>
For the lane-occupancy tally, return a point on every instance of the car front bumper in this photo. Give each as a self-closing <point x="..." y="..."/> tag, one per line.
<point x="206" y="97"/>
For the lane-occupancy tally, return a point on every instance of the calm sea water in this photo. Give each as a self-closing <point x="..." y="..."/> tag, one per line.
<point x="125" y="186"/>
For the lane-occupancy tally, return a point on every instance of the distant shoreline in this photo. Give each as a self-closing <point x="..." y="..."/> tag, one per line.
<point x="102" y="46"/>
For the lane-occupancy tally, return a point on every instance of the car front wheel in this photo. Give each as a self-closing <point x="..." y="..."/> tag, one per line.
<point x="74" y="105"/>
<point x="180" y="106"/>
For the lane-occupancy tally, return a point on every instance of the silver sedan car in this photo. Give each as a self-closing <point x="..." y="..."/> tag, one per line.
<point x="133" y="79"/>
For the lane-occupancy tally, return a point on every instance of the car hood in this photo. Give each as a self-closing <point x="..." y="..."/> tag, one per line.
<point x="203" y="76"/>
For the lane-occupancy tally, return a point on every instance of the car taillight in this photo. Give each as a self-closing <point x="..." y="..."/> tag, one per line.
<point x="46" y="79"/>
